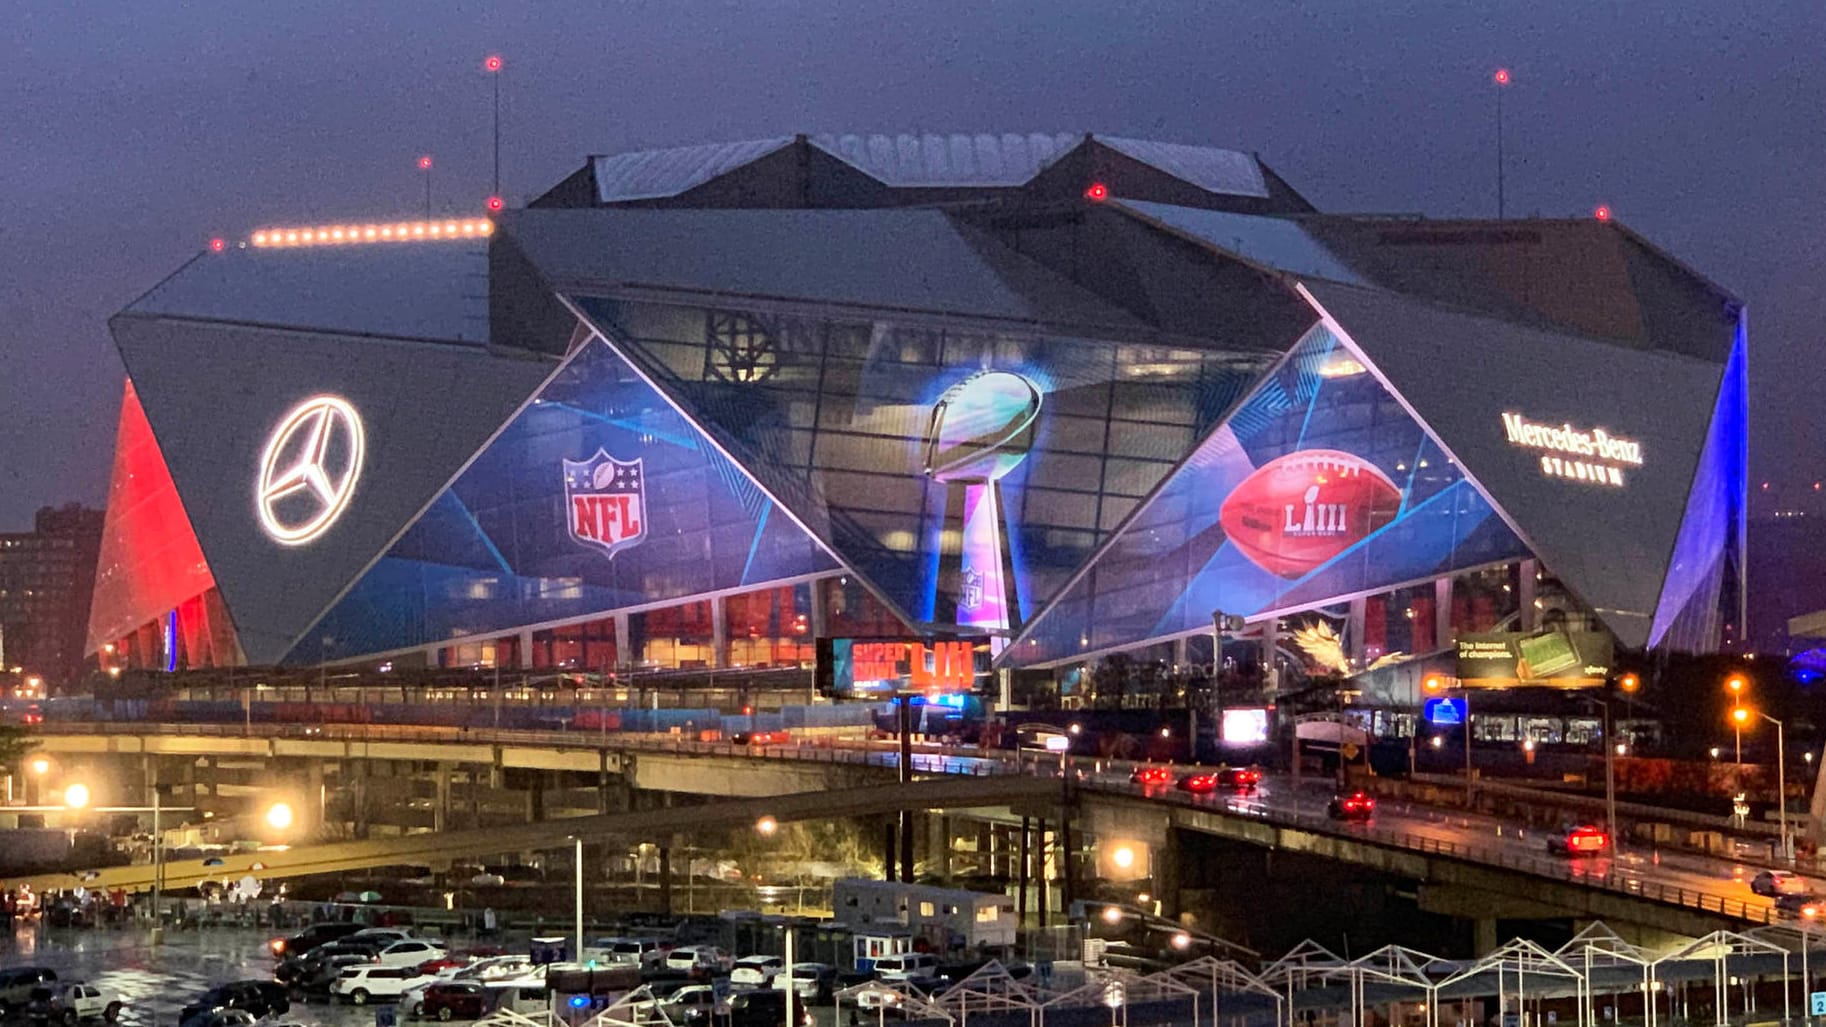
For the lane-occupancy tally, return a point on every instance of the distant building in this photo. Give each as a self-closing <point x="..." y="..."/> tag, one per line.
<point x="46" y="577"/>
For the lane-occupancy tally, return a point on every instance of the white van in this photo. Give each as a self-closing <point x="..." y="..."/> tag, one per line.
<point x="907" y="966"/>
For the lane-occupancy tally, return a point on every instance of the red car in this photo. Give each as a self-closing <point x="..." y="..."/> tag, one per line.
<point x="1152" y="777"/>
<point x="430" y="967"/>
<point x="1578" y="840"/>
<point x="457" y="1000"/>
<point x="1199" y="783"/>
<point x="1355" y="806"/>
<point x="1239" y="779"/>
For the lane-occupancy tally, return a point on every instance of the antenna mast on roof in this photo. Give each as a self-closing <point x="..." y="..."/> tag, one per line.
<point x="1502" y="83"/>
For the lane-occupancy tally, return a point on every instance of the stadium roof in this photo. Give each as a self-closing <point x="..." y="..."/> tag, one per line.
<point x="909" y="260"/>
<point x="928" y="161"/>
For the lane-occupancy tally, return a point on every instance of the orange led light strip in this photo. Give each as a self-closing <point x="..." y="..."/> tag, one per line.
<point x="392" y="231"/>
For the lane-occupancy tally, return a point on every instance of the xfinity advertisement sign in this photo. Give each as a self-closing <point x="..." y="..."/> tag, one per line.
<point x="1551" y="658"/>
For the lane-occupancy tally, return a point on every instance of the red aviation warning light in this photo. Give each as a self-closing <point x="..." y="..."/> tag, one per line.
<point x="424" y="163"/>
<point x="1501" y="76"/>
<point x="1097" y="192"/>
<point x="492" y="63"/>
<point x="1602" y="213"/>
<point x="218" y="244"/>
<point x="495" y="204"/>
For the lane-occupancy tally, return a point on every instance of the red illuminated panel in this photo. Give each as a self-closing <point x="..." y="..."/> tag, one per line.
<point x="150" y="560"/>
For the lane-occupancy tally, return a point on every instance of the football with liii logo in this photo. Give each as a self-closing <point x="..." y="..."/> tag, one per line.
<point x="1298" y="511"/>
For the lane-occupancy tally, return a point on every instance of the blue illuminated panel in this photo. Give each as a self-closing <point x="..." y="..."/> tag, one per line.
<point x="1320" y="485"/>
<point x="598" y="495"/>
<point x="966" y="473"/>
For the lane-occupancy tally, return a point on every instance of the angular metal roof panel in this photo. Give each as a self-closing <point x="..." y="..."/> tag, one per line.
<point x="1279" y="243"/>
<point x="903" y="259"/>
<point x="431" y="290"/>
<point x="1210" y="168"/>
<point x="656" y="174"/>
<point x="938" y="161"/>
<point x="1462" y="373"/>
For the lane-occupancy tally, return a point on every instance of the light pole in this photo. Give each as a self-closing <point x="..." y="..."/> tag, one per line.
<point x="1435" y="683"/>
<point x="1740" y="716"/>
<point x="577" y="956"/>
<point x="1735" y="685"/>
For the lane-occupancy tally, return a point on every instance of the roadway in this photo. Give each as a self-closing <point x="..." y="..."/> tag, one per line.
<point x="1692" y="880"/>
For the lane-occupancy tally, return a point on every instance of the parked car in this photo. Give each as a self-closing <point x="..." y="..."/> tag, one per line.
<point x="813" y="982"/>
<point x="1779" y="882"/>
<point x="645" y="953"/>
<point x="310" y="938"/>
<point x="691" y="998"/>
<point x="219" y="1018"/>
<point x="755" y="971"/>
<point x="324" y="977"/>
<point x="381" y="936"/>
<point x="455" y="1000"/>
<point x="361" y="985"/>
<point x="1578" y="840"/>
<point x="409" y="952"/>
<point x="72" y="1002"/>
<point x="17" y="985"/>
<point x="259" y="998"/>
<point x="296" y="970"/>
<point x="765" y="1008"/>
<point x="906" y="966"/>
<point x="699" y="959"/>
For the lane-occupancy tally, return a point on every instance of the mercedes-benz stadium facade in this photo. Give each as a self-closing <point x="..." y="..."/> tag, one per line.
<point x="1076" y="395"/>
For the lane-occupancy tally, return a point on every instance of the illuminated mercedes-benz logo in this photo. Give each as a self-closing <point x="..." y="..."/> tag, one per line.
<point x="309" y="469"/>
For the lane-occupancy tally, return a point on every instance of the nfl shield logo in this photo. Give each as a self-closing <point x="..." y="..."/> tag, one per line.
<point x="970" y="590"/>
<point x="606" y="500"/>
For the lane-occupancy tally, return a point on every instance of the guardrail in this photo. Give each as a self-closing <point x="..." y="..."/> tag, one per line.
<point x="959" y="762"/>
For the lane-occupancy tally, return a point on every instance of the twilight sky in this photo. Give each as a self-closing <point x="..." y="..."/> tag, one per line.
<point x="134" y="131"/>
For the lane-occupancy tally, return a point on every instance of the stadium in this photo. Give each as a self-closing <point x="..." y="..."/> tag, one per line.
<point x="1058" y="397"/>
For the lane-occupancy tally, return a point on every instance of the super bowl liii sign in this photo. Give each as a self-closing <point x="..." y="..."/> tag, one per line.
<point x="1593" y="457"/>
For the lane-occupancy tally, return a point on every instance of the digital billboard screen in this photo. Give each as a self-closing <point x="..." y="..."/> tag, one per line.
<point x="1551" y="657"/>
<point x="865" y="668"/>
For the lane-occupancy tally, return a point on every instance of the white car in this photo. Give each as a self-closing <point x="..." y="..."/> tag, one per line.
<point x="906" y="966"/>
<point x="410" y="952"/>
<point x="699" y="957"/>
<point x="810" y="981"/>
<point x="645" y="953"/>
<point x="72" y="1001"/>
<point x="370" y="983"/>
<point x="691" y="997"/>
<point x="377" y="936"/>
<point x="755" y="971"/>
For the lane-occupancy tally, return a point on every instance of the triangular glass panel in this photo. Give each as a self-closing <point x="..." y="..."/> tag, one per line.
<point x="597" y="495"/>
<point x="1320" y="485"/>
<point x="1690" y="616"/>
<point x="966" y="473"/>
<point x="150" y="561"/>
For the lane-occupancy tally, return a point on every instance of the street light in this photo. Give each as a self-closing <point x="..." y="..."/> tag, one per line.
<point x="766" y="826"/>
<point x="1735" y="684"/>
<point x="1741" y="715"/>
<point x="41" y="766"/>
<point x="76" y="796"/>
<point x="1435" y="683"/>
<point x="279" y="817"/>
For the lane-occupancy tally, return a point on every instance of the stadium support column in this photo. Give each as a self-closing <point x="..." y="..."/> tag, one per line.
<point x="719" y="632"/>
<point x="440" y="810"/>
<point x="1526" y="591"/>
<point x="623" y="658"/>
<point x="1353" y="628"/>
<point x="525" y="649"/>
<point x="1442" y="612"/>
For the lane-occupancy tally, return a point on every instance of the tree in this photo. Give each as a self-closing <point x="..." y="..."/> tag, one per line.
<point x="15" y="743"/>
